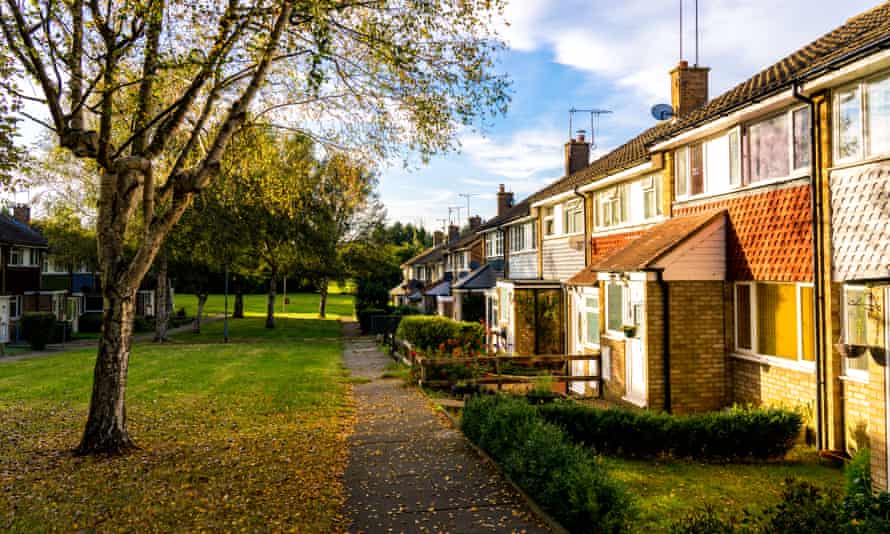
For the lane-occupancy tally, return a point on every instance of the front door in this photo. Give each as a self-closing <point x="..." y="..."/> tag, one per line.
<point x="578" y="366"/>
<point x="635" y="354"/>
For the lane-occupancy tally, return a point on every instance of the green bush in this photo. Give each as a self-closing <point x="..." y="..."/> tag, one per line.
<point x="90" y="322"/>
<point x="735" y="433"/>
<point x="562" y="477"/>
<point x="143" y="324"/>
<point x="37" y="328"/>
<point x="431" y="333"/>
<point x="364" y="318"/>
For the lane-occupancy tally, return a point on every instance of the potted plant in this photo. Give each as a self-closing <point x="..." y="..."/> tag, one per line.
<point x="850" y="350"/>
<point x="630" y="330"/>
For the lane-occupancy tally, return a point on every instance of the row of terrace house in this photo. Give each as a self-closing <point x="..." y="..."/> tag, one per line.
<point x="738" y="252"/>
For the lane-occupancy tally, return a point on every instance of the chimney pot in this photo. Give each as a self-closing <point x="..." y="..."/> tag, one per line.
<point x="453" y="233"/>
<point x="505" y="200"/>
<point x="475" y="222"/>
<point x="22" y="213"/>
<point x="579" y="136"/>
<point x="577" y="154"/>
<point x="689" y="88"/>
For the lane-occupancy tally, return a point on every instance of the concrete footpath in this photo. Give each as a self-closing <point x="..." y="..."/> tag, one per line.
<point x="410" y="471"/>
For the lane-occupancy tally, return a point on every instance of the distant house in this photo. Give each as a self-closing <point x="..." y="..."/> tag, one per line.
<point x="21" y="253"/>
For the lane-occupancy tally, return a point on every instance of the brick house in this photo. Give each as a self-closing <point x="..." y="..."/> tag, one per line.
<point x="21" y="252"/>
<point x="424" y="271"/>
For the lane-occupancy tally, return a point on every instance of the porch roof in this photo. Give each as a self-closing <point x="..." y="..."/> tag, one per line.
<point x="439" y="289"/>
<point x="484" y="277"/>
<point x="652" y="245"/>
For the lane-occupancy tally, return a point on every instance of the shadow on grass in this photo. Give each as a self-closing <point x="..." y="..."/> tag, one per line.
<point x="250" y="329"/>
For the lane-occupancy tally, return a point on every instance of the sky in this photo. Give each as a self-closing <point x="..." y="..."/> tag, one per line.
<point x="604" y="54"/>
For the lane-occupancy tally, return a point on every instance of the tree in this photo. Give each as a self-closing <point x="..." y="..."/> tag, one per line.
<point x="152" y="92"/>
<point x="10" y="154"/>
<point x="70" y="243"/>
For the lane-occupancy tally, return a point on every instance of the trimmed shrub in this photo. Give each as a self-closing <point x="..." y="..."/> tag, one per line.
<point x="734" y="433"/>
<point x="37" y="328"/>
<point x="563" y="478"/>
<point x="90" y="322"/>
<point x="143" y="324"/>
<point x="430" y="333"/>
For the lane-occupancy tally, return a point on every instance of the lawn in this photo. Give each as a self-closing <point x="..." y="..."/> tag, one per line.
<point x="246" y="436"/>
<point x="668" y="490"/>
<point x="301" y="306"/>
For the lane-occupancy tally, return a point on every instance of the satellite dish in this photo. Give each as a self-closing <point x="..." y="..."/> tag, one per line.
<point x="662" y="112"/>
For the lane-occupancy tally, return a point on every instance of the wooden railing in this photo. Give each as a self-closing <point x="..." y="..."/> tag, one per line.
<point x="493" y="366"/>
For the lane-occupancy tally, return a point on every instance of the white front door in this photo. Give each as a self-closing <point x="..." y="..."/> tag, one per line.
<point x="634" y="349"/>
<point x="578" y="366"/>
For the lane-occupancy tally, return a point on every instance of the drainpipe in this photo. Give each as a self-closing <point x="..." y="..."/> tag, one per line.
<point x="586" y="245"/>
<point x="665" y="337"/>
<point x="816" y="212"/>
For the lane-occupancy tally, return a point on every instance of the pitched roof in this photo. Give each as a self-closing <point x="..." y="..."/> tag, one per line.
<point x="517" y="211"/>
<point x="464" y="241"/>
<point x="641" y="253"/>
<point x="855" y="35"/>
<point x="427" y="256"/>
<point x="439" y="289"/>
<point x="18" y="233"/>
<point x="484" y="277"/>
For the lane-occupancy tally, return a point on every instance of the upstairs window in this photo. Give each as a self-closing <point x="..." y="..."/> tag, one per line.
<point x="779" y="146"/>
<point x="23" y="256"/>
<point x="574" y="216"/>
<point x="862" y="119"/>
<point x="494" y="244"/>
<point x="652" y="196"/>
<point x="612" y="206"/>
<point x="16" y="256"/>
<point x="549" y="221"/>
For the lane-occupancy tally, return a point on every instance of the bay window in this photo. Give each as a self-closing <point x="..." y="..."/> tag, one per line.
<point x="862" y="119"/>
<point x="523" y="237"/>
<point x="775" y="320"/>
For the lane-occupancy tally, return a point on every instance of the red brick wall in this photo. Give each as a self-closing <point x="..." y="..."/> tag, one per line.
<point x="601" y="246"/>
<point x="769" y="235"/>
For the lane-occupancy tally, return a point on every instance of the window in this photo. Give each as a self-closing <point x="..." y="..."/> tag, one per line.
<point x="574" y="217"/>
<point x="775" y="320"/>
<point x="855" y="333"/>
<point x="15" y="307"/>
<point x="494" y="244"/>
<point x="16" y="256"/>
<point x="503" y="304"/>
<point x="848" y="109"/>
<point x="592" y="319"/>
<point x="862" y="119"/>
<point x="549" y="221"/>
<point x="801" y="142"/>
<point x="768" y="144"/>
<point x="651" y="197"/>
<point x="709" y="167"/>
<point x="612" y="206"/>
<point x="523" y="237"/>
<point x="615" y="298"/>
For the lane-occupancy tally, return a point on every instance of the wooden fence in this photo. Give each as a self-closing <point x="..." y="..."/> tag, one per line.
<point x="491" y="367"/>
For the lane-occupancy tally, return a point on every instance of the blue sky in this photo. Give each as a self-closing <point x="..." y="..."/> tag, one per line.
<point x="603" y="54"/>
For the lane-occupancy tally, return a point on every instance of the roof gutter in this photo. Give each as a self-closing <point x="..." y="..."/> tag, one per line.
<point x="617" y="177"/>
<point x="586" y="229"/>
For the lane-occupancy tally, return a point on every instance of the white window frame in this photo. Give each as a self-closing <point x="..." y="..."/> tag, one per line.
<point x="684" y="152"/>
<point x="494" y="244"/>
<point x="625" y="315"/>
<point x="17" y="256"/>
<point x="856" y="374"/>
<point x="652" y="188"/>
<point x="789" y="124"/>
<point x="590" y="293"/>
<point x="549" y="216"/>
<point x="572" y="209"/>
<point x="15" y="300"/>
<point x="754" y="330"/>
<point x="865" y="152"/>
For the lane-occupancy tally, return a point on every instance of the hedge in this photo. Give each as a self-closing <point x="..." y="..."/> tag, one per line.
<point x="431" y="333"/>
<point x="37" y="328"/>
<point x="563" y="478"/>
<point x="734" y="433"/>
<point x="90" y="322"/>
<point x="365" y="316"/>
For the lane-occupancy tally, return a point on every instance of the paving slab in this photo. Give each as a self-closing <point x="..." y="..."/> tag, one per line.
<point x="410" y="471"/>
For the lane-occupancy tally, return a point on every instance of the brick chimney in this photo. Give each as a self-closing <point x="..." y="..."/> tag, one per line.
<point x="505" y="200"/>
<point x="689" y="88"/>
<point x="475" y="222"/>
<point x="577" y="153"/>
<point x="453" y="233"/>
<point x="22" y="213"/>
<point x="438" y="238"/>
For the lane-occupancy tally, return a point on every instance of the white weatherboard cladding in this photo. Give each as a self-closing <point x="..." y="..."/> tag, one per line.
<point x="563" y="257"/>
<point x="860" y="220"/>
<point x="702" y="257"/>
<point x="523" y="264"/>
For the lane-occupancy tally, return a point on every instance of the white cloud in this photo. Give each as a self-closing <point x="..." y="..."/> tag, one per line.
<point x="525" y="153"/>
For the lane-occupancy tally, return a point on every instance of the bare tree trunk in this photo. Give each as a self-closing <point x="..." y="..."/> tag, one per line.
<point x="238" y="312"/>
<point x="323" y="301"/>
<point x="106" y="428"/>
<point x="202" y="299"/>
<point x="270" y="303"/>
<point x="162" y="314"/>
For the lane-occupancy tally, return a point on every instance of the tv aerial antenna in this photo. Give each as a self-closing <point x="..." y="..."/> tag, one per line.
<point x="452" y="209"/>
<point x="595" y="114"/>
<point x="468" y="196"/>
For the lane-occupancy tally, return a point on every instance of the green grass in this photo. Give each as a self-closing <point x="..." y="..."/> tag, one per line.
<point x="244" y="436"/>
<point x="301" y="306"/>
<point x="666" y="491"/>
